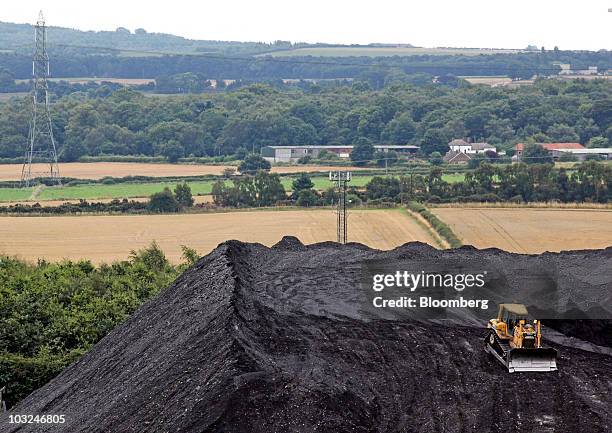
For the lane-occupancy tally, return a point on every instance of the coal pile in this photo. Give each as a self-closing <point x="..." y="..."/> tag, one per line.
<point x="258" y="339"/>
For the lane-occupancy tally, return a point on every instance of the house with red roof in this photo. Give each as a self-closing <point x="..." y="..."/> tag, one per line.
<point x="551" y="147"/>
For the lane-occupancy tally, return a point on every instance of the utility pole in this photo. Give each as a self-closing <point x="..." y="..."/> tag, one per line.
<point x="341" y="178"/>
<point x="41" y="146"/>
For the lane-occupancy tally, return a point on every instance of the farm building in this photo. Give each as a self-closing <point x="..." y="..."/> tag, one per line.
<point x="293" y="153"/>
<point x="582" y="154"/>
<point x="463" y="146"/>
<point x="461" y="151"/>
<point x="551" y="147"/>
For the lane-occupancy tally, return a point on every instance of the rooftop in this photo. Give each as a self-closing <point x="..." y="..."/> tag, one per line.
<point x="594" y="151"/>
<point x="552" y="146"/>
<point x="377" y="146"/>
<point x="482" y="146"/>
<point x="458" y="142"/>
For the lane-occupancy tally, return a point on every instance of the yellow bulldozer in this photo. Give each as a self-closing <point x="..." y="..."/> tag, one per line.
<point x="517" y="343"/>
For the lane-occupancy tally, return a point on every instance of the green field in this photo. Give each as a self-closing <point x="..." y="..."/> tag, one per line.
<point x="15" y="194"/>
<point x="384" y="51"/>
<point x="95" y="191"/>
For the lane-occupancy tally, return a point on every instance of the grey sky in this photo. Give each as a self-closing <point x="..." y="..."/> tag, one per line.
<point x="584" y="24"/>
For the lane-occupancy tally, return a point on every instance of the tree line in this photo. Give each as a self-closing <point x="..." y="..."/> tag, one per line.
<point x="226" y="65"/>
<point x="52" y="313"/>
<point x="588" y="182"/>
<point x="125" y="122"/>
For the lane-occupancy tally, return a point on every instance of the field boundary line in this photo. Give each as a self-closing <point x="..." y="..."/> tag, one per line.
<point x="425" y="225"/>
<point x="36" y="191"/>
<point x="436" y="223"/>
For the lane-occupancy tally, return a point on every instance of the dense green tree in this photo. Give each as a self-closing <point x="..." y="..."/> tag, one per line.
<point x="598" y="141"/>
<point x="561" y="133"/>
<point x="302" y="182"/>
<point x="163" y="201"/>
<point x="400" y="130"/>
<point x="383" y="188"/>
<point x="363" y="152"/>
<point x="182" y="193"/>
<point x="253" y="163"/>
<point x="262" y="189"/>
<point x="535" y="154"/>
<point x="124" y="122"/>
<point x="307" y="198"/>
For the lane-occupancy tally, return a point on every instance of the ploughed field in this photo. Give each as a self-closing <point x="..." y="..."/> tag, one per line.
<point x="281" y="339"/>
<point x="108" y="238"/>
<point x="529" y="230"/>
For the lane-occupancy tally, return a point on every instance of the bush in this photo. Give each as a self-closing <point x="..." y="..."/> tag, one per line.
<point x="304" y="159"/>
<point x="307" y="198"/>
<point x="253" y="163"/>
<point x="163" y="201"/>
<point x="383" y="187"/>
<point x="52" y="313"/>
<point x="22" y="374"/>
<point x="353" y="200"/>
<point x="435" y="158"/>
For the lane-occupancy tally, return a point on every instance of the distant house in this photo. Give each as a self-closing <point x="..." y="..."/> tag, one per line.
<point x="519" y="148"/>
<point x="456" y="157"/>
<point x="463" y="146"/>
<point x="294" y="153"/>
<point x="458" y="145"/>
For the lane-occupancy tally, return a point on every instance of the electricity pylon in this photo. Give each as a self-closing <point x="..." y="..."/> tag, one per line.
<point x="341" y="178"/>
<point x="41" y="146"/>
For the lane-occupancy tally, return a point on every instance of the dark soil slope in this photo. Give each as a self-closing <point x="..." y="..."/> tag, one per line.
<point x="257" y="339"/>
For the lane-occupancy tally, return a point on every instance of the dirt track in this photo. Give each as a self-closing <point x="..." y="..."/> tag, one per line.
<point x="530" y="230"/>
<point x="257" y="339"/>
<point x="98" y="170"/>
<point x="108" y="238"/>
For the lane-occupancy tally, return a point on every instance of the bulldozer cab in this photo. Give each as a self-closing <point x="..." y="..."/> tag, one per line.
<point x="511" y="315"/>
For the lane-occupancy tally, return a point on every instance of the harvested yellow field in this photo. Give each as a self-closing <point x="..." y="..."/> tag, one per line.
<point x="530" y="230"/>
<point x="98" y="170"/>
<point x="108" y="238"/>
<point x="197" y="199"/>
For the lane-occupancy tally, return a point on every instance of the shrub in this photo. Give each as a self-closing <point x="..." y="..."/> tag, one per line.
<point x="163" y="201"/>
<point x="253" y="163"/>
<point x="307" y="198"/>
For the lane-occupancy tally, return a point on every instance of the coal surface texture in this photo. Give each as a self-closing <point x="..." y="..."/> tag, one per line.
<point x="258" y="339"/>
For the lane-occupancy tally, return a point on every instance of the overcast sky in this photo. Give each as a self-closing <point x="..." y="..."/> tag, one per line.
<point x="585" y="24"/>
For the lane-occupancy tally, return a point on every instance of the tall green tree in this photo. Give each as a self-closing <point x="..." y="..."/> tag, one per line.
<point x="182" y="193"/>
<point x="363" y="152"/>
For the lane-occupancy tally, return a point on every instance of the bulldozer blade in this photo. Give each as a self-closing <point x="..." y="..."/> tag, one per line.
<point x="532" y="360"/>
